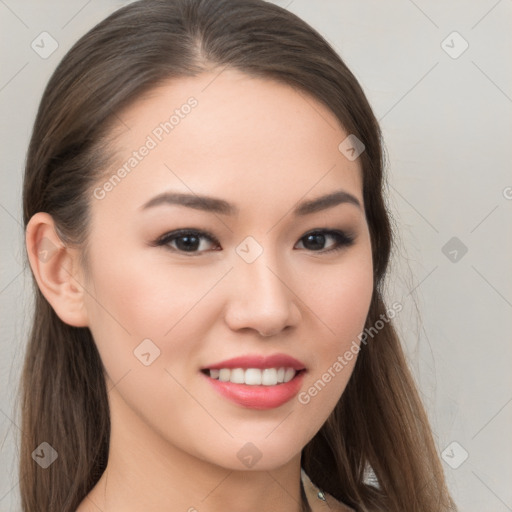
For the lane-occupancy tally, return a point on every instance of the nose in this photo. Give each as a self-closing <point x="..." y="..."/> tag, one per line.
<point x="262" y="299"/>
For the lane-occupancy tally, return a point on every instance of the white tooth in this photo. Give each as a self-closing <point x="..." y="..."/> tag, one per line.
<point x="269" y="377"/>
<point x="224" y="374"/>
<point x="237" y="376"/>
<point x="289" y="374"/>
<point x="253" y="376"/>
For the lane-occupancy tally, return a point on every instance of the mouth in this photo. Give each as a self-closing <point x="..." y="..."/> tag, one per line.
<point x="253" y="376"/>
<point x="257" y="382"/>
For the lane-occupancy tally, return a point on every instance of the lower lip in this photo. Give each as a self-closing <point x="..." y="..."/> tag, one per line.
<point x="258" y="397"/>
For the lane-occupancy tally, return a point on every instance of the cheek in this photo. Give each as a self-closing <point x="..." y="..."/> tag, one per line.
<point x="340" y="297"/>
<point x="345" y="303"/>
<point x="133" y="300"/>
<point x="130" y="302"/>
<point x="341" y="301"/>
<point x="141" y="298"/>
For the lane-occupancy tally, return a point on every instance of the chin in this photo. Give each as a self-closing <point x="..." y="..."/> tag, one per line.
<point x="257" y="455"/>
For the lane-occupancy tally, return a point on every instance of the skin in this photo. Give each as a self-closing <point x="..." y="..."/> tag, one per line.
<point x="262" y="146"/>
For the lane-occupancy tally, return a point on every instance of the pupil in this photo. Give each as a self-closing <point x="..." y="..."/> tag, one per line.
<point x="319" y="237"/>
<point x="191" y="242"/>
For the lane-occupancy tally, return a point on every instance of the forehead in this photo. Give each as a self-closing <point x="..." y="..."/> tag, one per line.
<point x="229" y="134"/>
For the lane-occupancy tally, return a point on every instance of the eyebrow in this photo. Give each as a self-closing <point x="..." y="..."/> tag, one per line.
<point x="220" y="206"/>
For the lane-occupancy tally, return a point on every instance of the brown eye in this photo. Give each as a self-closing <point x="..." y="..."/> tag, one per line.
<point x="188" y="241"/>
<point x="315" y="241"/>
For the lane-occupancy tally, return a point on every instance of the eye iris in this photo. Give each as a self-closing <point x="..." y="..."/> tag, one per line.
<point x="318" y="240"/>
<point x="191" y="242"/>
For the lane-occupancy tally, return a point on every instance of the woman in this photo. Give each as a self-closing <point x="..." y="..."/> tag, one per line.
<point x="205" y="223"/>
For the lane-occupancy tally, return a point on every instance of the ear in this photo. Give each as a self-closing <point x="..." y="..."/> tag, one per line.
<point x="56" y="269"/>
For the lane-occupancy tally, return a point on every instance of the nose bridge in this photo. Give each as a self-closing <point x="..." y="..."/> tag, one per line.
<point x="262" y="299"/>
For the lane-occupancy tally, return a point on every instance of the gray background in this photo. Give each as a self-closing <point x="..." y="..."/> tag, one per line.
<point x="446" y="121"/>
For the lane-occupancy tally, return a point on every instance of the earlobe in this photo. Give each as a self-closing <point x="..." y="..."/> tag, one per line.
<point x="56" y="269"/>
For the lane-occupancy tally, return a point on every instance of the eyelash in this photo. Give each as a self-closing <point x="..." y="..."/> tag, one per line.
<point x="343" y="239"/>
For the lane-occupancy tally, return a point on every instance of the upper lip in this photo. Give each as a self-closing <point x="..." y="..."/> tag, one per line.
<point x="258" y="361"/>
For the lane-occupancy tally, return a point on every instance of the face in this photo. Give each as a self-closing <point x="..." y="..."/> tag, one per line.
<point x="178" y="289"/>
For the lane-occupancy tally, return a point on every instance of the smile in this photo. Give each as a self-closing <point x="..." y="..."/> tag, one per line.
<point x="253" y="376"/>
<point x="256" y="381"/>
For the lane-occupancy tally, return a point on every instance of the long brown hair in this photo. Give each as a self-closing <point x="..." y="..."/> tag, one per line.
<point x="379" y="422"/>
